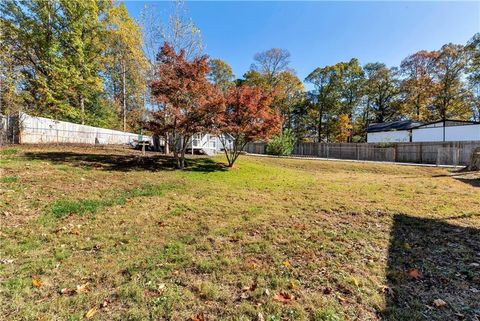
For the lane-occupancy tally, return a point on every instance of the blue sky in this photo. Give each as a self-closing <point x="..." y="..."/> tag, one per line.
<point x="323" y="33"/>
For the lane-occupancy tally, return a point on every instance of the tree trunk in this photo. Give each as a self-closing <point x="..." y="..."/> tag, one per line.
<point x="167" y="144"/>
<point x="82" y="107"/>
<point x="320" y="116"/>
<point x="124" y="98"/>
<point x="474" y="164"/>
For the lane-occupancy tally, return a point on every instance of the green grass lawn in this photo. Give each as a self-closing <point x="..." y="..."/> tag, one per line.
<point x="106" y="234"/>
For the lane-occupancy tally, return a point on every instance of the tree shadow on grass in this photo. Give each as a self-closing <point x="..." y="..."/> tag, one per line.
<point x="447" y="259"/>
<point x="467" y="177"/>
<point x="125" y="163"/>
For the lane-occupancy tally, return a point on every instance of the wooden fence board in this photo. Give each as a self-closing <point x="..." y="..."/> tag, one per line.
<point x="441" y="153"/>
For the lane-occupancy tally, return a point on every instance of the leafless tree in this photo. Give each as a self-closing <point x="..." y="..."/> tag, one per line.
<point x="271" y="62"/>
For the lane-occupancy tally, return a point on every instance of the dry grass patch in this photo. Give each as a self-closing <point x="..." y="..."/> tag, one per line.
<point x="274" y="239"/>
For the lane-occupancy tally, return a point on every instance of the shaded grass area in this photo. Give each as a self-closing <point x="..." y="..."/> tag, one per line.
<point x="271" y="239"/>
<point x="123" y="162"/>
<point x="447" y="258"/>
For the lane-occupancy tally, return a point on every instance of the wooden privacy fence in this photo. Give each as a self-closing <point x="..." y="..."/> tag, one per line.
<point x="440" y="153"/>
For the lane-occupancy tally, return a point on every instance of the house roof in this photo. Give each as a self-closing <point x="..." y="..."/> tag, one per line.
<point x="409" y="124"/>
<point x="451" y="122"/>
<point x="393" y="125"/>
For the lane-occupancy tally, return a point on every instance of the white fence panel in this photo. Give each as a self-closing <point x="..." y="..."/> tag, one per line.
<point x="40" y="130"/>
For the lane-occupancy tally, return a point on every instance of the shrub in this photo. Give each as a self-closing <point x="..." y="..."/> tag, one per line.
<point x="282" y="144"/>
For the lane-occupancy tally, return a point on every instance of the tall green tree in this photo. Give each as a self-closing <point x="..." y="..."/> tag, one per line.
<point x="221" y="74"/>
<point x="11" y="99"/>
<point x="288" y="96"/>
<point x="325" y="97"/>
<point x="81" y="36"/>
<point x="31" y="29"/>
<point x="352" y="90"/>
<point x="418" y="85"/>
<point x="126" y="66"/>
<point x="352" y="81"/>
<point x="451" y="97"/>
<point x="473" y="72"/>
<point x="382" y="89"/>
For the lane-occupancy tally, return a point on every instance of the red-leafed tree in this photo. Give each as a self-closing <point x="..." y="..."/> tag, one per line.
<point x="247" y="117"/>
<point x="189" y="103"/>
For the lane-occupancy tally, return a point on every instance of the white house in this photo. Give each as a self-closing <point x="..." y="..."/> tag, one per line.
<point x="391" y="132"/>
<point x="409" y="131"/>
<point x="209" y="144"/>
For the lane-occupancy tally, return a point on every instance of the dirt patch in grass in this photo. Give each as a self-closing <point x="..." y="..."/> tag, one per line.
<point x="273" y="239"/>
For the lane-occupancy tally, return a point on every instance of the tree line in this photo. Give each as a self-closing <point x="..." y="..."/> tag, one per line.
<point x="90" y="62"/>
<point x="346" y="97"/>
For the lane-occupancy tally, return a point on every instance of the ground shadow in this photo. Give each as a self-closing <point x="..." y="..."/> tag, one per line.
<point x="467" y="177"/>
<point x="124" y="163"/>
<point x="430" y="260"/>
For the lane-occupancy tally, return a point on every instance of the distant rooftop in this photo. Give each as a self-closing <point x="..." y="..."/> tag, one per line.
<point x="410" y="124"/>
<point x="393" y="125"/>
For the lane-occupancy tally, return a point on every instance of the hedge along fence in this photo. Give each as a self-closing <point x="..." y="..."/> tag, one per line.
<point x="40" y="130"/>
<point x="440" y="153"/>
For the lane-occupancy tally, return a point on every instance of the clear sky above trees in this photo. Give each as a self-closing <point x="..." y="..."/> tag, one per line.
<point x="323" y="33"/>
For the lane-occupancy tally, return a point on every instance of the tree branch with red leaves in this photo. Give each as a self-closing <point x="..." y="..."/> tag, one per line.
<point x="189" y="103"/>
<point x="247" y="117"/>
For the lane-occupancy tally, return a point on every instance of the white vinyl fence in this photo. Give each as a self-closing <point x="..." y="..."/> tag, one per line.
<point x="39" y="130"/>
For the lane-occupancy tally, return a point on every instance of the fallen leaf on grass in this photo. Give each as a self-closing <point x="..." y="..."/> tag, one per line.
<point x="283" y="297"/>
<point x="341" y="298"/>
<point x="260" y="317"/>
<point x="250" y="288"/>
<point x="104" y="305"/>
<point x="6" y="261"/>
<point x="198" y="317"/>
<point x="67" y="291"/>
<point x="414" y="274"/>
<point x="439" y="303"/>
<point x="82" y="288"/>
<point x="90" y="313"/>
<point x="36" y="282"/>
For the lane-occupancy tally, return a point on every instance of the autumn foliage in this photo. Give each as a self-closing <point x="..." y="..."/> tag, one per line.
<point x="188" y="102"/>
<point x="246" y="118"/>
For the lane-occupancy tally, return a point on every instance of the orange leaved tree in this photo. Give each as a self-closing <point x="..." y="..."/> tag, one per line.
<point x="188" y="102"/>
<point x="247" y="117"/>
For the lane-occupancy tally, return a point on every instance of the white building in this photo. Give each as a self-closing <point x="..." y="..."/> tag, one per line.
<point x="409" y="131"/>
<point x="391" y="132"/>
<point x="209" y="144"/>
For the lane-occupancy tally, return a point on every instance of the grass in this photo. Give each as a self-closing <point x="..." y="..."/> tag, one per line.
<point x="340" y="240"/>
<point x="8" y="179"/>
<point x="63" y="207"/>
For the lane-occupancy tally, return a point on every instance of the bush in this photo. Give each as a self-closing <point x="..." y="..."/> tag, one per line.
<point x="282" y="144"/>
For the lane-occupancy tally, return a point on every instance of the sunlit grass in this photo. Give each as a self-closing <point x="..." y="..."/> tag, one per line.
<point x="154" y="243"/>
